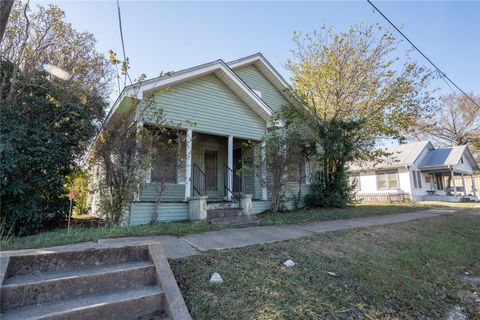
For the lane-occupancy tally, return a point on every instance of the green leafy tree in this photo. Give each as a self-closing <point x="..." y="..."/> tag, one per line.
<point x="42" y="132"/>
<point x="336" y="147"/>
<point x="40" y="35"/>
<point x="79" y="180"/>
<point x="46" y="123"/>
<point x="355" y="75"/>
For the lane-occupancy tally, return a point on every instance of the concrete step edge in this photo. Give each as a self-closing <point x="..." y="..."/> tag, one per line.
<point x="15" y="295"/>
<point x="63" y="309"/>
<point x="48" y="276"/>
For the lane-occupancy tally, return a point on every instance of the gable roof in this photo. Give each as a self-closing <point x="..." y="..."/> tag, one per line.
<point x="218" y="67"/>
<point x="272" y="75"/>
<point x="399" y="156"/>
<point x="444" y="157"/>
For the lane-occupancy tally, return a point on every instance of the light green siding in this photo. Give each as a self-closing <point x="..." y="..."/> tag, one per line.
<point x="212" y="106"/>
<point x="291" y="189"/>
<point x="260" y="206"/>
<point x="257" y="81"/>
<point x="141" y="212"/>
<point x="172" y="192"/>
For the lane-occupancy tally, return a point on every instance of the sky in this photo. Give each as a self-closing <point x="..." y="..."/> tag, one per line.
<point x="168" y="36"/>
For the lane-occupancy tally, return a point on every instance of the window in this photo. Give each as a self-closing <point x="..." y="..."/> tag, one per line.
<point x="419" y="179"/>
<point x="165" y="164"/>
<point x="415" y="184"/>
<point x="387" y="180"/>
<point x="461" y="159"/>
<point x="355" y="181"/>
<point x="297" y="172"/>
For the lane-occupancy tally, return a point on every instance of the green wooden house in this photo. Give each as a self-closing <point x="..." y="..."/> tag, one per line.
<point x="221" y="106"/>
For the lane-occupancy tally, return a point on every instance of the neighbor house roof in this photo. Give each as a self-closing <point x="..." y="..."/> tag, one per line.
<point x="444" y="157"/>
<point x="397" y="156"/>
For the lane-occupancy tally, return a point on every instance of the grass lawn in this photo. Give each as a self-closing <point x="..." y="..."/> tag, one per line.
<point x="398" y="271"/>
<point x="356" y="211"/>
<point x="80" y="233"/>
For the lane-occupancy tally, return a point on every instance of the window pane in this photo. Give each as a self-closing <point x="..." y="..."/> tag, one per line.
<point x="392" y="180"/>
<point x="419" y="178"/>
<point x="415" y="185"/>
<point x="381" y="180"/>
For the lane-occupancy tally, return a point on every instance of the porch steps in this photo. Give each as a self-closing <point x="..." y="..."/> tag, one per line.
<point x="114" y="283"/>
<point x="232" y="216"/>
<point x="221" y="204"/>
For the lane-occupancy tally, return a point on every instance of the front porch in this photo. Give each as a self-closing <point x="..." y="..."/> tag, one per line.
<point x="450" y="185"/>
<point x="215" y="177"/>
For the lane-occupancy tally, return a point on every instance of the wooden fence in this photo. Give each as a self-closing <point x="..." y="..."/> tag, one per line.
<point x="382" y="197"/>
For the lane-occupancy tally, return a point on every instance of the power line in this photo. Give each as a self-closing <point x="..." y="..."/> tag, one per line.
<point x="443" y="74"/>
<point x="123" y="45"/>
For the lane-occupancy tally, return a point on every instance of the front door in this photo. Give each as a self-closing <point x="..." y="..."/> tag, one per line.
<point x="211" y="173"/>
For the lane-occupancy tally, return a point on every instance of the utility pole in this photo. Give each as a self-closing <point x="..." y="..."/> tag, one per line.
<point x="5" y="8"/>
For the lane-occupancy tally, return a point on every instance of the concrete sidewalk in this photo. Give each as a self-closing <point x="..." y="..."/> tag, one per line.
<point x="179" y="247"/>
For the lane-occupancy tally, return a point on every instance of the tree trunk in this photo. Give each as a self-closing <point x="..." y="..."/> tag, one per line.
<point x="5" y="8"/>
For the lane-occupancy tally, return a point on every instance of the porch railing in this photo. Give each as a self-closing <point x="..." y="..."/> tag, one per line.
<point x="236" y="183"/>
<point x="198" y="180"/>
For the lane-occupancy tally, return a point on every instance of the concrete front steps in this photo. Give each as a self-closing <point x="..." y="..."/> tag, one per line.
<point x="124" y="282"/>
<point x="230" y="216"/>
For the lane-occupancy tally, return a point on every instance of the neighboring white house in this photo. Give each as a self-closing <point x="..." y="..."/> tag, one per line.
<point x="421" y="171"/>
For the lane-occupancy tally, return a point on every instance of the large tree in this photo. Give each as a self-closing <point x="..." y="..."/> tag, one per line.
<point x="456" y="123"/>
<point x="46" y="123"/>
<point x="355" y="75"/>
<point x="42" y="36"/>
<point x="356" y="92"/>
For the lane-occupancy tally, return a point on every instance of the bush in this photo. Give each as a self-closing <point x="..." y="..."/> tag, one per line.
<point x="322" y="194"/>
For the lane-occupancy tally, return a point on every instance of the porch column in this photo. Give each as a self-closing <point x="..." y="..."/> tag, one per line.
<point x="230" y="166"/>
<point x="136" y="196"/>
<point x="464" y="186"/>
<point x="264" y="173"/>
<point x="188" y="163"/>
<point x="473" y="186"/>
<point x="453" y="183"/>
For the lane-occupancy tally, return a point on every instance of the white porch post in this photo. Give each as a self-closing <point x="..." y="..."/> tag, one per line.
<point x="188" y="163"/>
<point x="230" y="166"/>
<point x="453" y="183"/>
<point x="264" y="173"/>
<point x="473" y="186"/>
<point x="464" y="186"/>
<point x="137" y="155"/>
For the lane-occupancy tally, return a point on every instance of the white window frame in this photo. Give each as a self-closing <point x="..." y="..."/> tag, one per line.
<point x="386" y="172"/>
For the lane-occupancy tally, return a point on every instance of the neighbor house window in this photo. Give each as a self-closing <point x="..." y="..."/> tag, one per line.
<point x="355" y="181"/>
<point x="387" y="179"/>
<point x="419" y="179"/>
